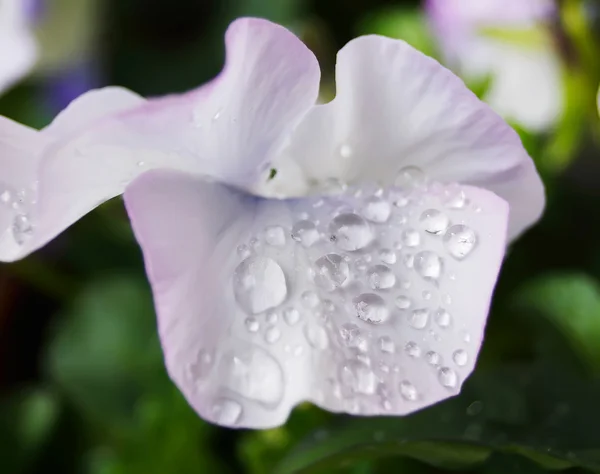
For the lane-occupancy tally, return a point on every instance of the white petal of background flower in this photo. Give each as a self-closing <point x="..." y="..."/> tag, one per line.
<point x="18" y="49"/>
<point x="225" y="129"/>
<point x="263" y="304"/>
<point x="396" y="107"/>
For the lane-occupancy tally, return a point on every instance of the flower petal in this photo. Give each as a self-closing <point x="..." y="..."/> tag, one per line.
<point x="351" y="302"/>
<point x="396" y="107"/>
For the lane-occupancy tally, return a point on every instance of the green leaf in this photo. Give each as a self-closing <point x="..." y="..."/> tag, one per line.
<point x="531" y="412"/>
<point x="572" y="303"/>
<point x="105" y="353"/>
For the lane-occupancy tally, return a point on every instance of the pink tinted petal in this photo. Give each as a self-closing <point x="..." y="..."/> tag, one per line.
<point x="36" y="207"/>
<point x="396" y="107"/>
<point x="18" y="50"/>
<point x="263" y="304"/>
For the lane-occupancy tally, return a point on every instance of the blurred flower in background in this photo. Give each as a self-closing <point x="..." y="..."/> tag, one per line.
<point x="508" y="45"/>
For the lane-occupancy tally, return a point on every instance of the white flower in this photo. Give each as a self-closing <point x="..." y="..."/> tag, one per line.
<point x="367" y="292"/>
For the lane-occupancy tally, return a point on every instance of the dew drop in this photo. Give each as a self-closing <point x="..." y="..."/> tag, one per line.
<point x="460" y="240"/>
<point x="410" y="177"/>
<point x="22" y="228"/>
<point x="455" y="197"/>
<point x="460" y="357"/>
<point x="305" y="232"/>
<point x="442" y="318"/>
<point x="316" y="336"/>
<point x="371" y="308"/>
<point x="350" y="232"/>
<point x="226" y="412"/>
<point x="252" y="324"/>
<point x="408" y="391"/>
<point x="259" y="284"/>
<point x="411" y="238"/>
<point x="272" y="335"/>
<point x="352" y="337"/>
<point x="377" y="209"/>
<point x="426" y="295"/>
<point x="419" y="318"/>
<point x="433" y="358"/>
<point x="275" y="236"/>
<point x="310" y="299"/>
<point x="291" y="316"/>
<point x="403" y="302"/>
<point x="386" y="345"/>
<point x="331" y="272"/>
<point x="412" y="349"/>
<point x="381" y="277"/>
<point x="358" y="377"/>
<point x="201" y="367"/>
<point x="434" y="222"/>
<point x="387" y="256"/>
<point x="447" y="377"/>
<point x="428" y="265"/>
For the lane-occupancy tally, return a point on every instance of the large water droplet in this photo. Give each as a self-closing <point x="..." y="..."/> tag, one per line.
<point x="331" y="272"/>
<point x="306" y="233"/>
<point x="434" y="222"/>
<point x="410" y="177"/>
<point x="254" y="374"/>
<point x="386" y="345"/>
<point x="226" y="412"/>
<point x="428" y="265"/>
<point x="275" y="236"/>
<point x="412" y="349"/>
<point x="419" y="318"/>
<point x="387" y="256"/>
<point x="22" y="228"/>
<point x="381" y="277"/>
<point x="442" y="318"/>
<point x="460" y="240"/>
<point x="316" y="336"/>
<point x="259" y="284"/>
<point x="460" y="357"/>
<point x="291" y="316"/>
<point x="358" y="377"/>
<point x="448" y="377"/>
<point x="371" y="308"/>
<point x="377" y="209"/>
<point x="408" y="391"/>
<point x="350" y="232"/>
<point x="411" y="238"/>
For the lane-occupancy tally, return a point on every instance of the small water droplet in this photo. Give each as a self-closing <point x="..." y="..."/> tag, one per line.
<point x="201" y="367"/>
<point x="410" y="177"/>
<point x="460" y="357"/>
<point x="5" y="197"/>
<point x="141" y="163"/>
<point x="226" y="412"/>
<point x="434" y="222"/>
<point x="346" y="151"/>
<point x="217" y="115"/>
<point x="243" y="251"/>
<point x="455" y="197"/>
<point x="252" y="324"/>
<point x="331" y="272"/>
<point x="272" y="335"/>
<point x="467" y="337"/>
<point x="259" y="284"/>
<point x="387" y="256"/>
<point x="371" y="308"/>
<point x="316" y="336"/>
<point x="305" y="232"/>
<point x="350" y="232"/>
<point x="275" y="236"/>
<point x="403" y="302"/>
<point x="412" y="349"/>
<point x="408" y="259"/>
<point x="460" y="240"/>
<point x="442" y="318"/>
<point x="419" y="318"/>
<point x="377" y="209"/>
<point x="381" y="277"/>
<point x="448" y="377"/>
<point x="310" y="299"/>
<point x="429" y="265"/>
<point x="351" y="336"/>
<point x="386" y="345"/>
<point x="408" y="391"/>
<point x="358" y="377"/>
<point x="271" y="317"/>
<point x="426" y="295"/>
<point x="291" y="316"/>
<point x="433" y="358"/>
<point x="22" y="228"/>
<point x="411" y="238"/>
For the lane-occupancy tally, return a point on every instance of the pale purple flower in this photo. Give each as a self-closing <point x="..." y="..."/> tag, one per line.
<point x="525" y="72"/>
<point x="18" y="49"/>
<point x="362" y="284"/>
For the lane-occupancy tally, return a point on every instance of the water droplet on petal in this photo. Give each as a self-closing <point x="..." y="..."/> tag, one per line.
<point x="350" y="232"/>
<point x="419" y="318"/>
<point x="448" y="377"/>
<point x="381" y="277"/>
<point x="460" y="357"/>
<point x="412" y="349"/>
<point x="259" y="284"/>
<point x="305" y="232"/>
<point x="291" y="316"/>
<point x="403" y="302"/>
<point x="331" y="272"/>
<point x="5" y="197"/>
<point x="408" y="391"/>
<point x="358" y="377"/>
<point x="275" y="236"/>
<point x="252" y="324"/>
<point x="371" y="308"/>
<point x="377" y="209"/>
<point x="455" y="197"/>
<point x="410" y="177"/>
<point x="428" y="265"/>
<point x="386" y="345"/>
<point x="442" y="318"/>
<point x="243" y="251"/>
<point x="346" y="151"/>
<point x="460" y="240"/>
<point x="351" y="336"/>
<point x="433" y="358"/>
<point x="272" y="335"/>
<point x="201" y="367"/>
<point x="411" y="238"/>
<point x="226" y="412"/>
<point x="316" y="336"/>
<point x="434" y="222"/>
<point x="22" y="228"/>
<point x="387" y="256"/>
<point x="426" y="295"/>
<point x="310" y="299"/>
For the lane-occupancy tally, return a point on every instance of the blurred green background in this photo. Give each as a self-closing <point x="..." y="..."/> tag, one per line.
<point x="82" y="384"/>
